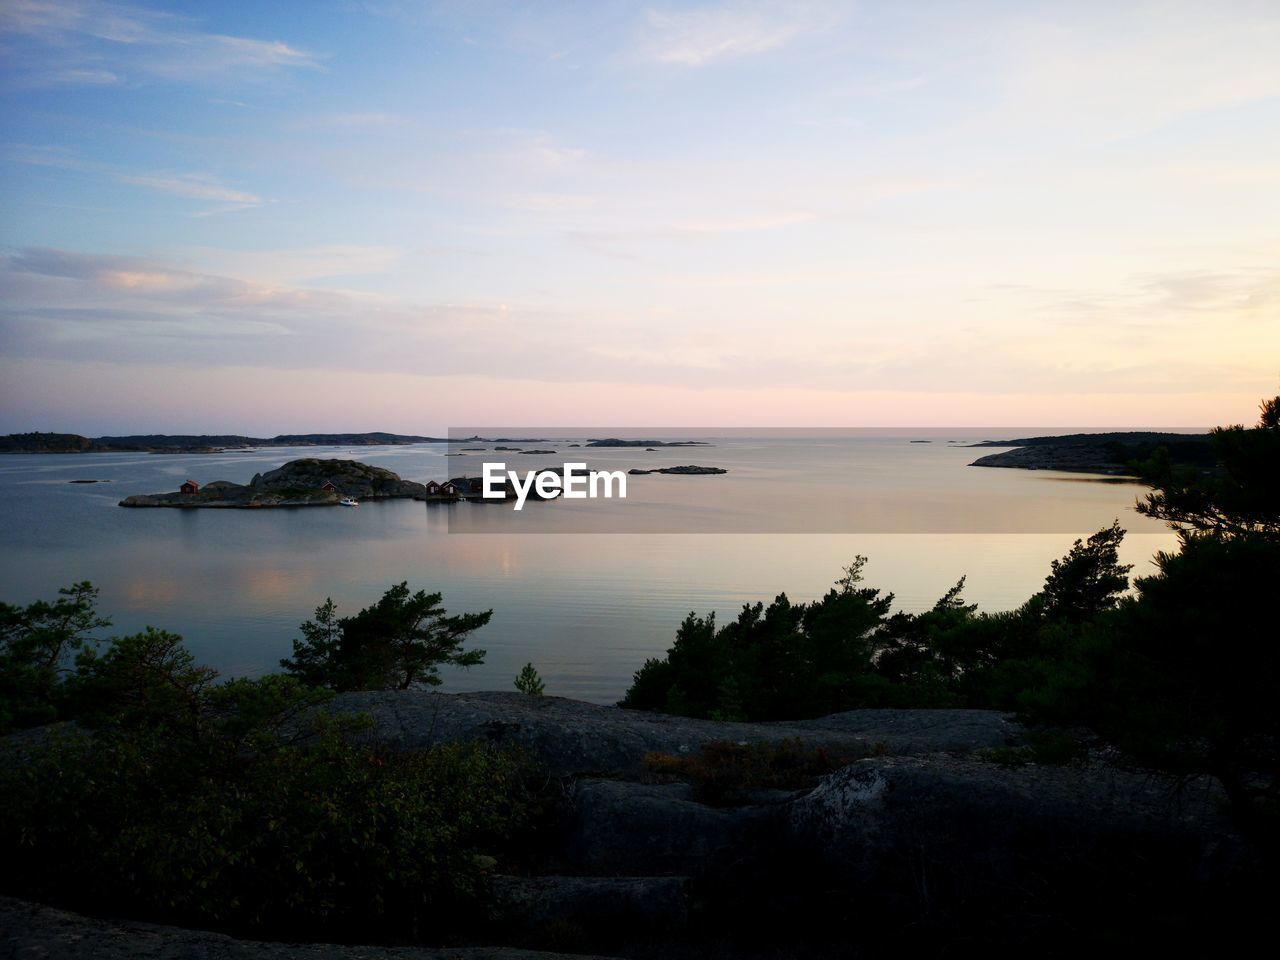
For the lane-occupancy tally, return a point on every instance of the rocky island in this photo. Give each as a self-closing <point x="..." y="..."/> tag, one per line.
<point x="615" y="442"/>
<point x="299" y="483"/>
<point x="690" y="470"/>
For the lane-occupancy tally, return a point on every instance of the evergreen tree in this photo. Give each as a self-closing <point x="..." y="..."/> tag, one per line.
<point x="398" y="643"/>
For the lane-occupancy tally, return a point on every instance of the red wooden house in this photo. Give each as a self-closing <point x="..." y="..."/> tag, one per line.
<point x="189" y="487"/>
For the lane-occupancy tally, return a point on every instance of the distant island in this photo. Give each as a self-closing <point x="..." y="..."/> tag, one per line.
<point x="1107" y="453"/>
<point x="615" y="442"/>
<point x="196" y="443"/>
<point x="299" y="483"/>
<point x="689" y="470"/>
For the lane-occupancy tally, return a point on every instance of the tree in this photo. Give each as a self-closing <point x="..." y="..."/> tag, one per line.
<point x="145" y="679"/>
<point x="783" y="661"/>
<point x="398" y="643"/>
<point x="1240" y="496"/>
<point x="37" y="644"/>
<point x="1185" y="675"/>
<point x="528" y="681"/>
<point x="1088" y="580"/>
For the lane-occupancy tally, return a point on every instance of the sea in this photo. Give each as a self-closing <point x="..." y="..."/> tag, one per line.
<point x="585" y="590"/>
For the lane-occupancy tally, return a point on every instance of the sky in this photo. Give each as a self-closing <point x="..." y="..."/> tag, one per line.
<point x="404" y="215"/>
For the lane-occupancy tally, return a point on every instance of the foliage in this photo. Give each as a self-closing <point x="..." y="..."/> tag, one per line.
<point x="1052" y="747"/>
<point x="333" y="837"/>
<point x="398" y="643"/>
<point x="238" y="805"/>
<point x="781" y="661"/>
<point x="1186" y="674"/>
<point x="722" y="772"/>
<point x="528" y="681"/>
<point x="1241" y="496"/>
<point x="37" y="645"/>
<point x="846" y="651"/>
<point x="145" y="679"/>
<point x="1088" y="580"/>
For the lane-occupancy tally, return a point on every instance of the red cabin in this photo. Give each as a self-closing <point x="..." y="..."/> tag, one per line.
<point x="433" y="488"/>
<point x="189" y="487"/>
<point x="328" y="487"/>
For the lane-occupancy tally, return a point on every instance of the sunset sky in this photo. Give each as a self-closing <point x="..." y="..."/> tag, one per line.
<point x="393" y="215"/>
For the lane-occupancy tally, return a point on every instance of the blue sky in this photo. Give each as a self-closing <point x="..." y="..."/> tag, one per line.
<point x="404" y="215"/>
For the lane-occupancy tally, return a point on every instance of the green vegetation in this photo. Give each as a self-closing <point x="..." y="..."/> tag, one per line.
<point x="528" y="681"/>
<point x="235" y="804"/>
<point x="1183" y="674"/>
<point x="397" y="643"/>
<point x="36" y="644"/>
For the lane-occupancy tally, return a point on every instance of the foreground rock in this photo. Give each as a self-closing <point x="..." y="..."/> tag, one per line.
<point x="34" y="932"/>
<point x="573" y="738"/>
<point x="300" y="483"/>
<point x="918" y="841"/>
<point x="921" y="833"/>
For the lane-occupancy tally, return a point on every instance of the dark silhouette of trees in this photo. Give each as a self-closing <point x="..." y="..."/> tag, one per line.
<point x="38" y="643"/>
<point x="1240" y="496"/>
<point x="397" y="643"/>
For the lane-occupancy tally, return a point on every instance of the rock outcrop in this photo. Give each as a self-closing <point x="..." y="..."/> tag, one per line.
<point x="31" y="931"/>
<point x="918" y="840"/>
<point x="308" y="482"/>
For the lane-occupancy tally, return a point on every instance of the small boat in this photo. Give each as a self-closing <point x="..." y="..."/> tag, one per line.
<point x="348" y="502"/>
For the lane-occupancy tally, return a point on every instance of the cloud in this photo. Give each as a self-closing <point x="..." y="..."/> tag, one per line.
<point x="194" y="186"/>
<point x="97" y="42"/>
<point x="74" y="307"/>
<point x="696" y="38"/>
<point x="191" y="186"/>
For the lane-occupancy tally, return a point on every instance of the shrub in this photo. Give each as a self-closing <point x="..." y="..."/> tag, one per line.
<point x="331" y="834"/>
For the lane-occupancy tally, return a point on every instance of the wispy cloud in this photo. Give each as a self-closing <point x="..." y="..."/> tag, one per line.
<point x="97" y="42"/>
<point x="194" y="186"/>
<point x="696" y="38"/>
<point x="191" y="186"/>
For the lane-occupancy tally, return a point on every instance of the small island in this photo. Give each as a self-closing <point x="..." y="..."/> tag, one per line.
<point x="299" y="483"/>
<point x="615" y="442"/>
<point x="690" y="470"/>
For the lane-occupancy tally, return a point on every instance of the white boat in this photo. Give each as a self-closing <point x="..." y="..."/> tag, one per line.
<point x="348" y="502"/>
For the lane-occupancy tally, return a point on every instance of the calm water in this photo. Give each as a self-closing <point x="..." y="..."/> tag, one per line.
<point x="585" y="590"/>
